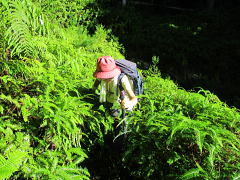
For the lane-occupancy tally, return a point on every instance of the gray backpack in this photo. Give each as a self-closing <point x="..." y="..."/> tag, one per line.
<point x="130" y="69"/>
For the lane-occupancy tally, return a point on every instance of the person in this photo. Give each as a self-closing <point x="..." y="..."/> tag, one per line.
<point x="107" y="75"/>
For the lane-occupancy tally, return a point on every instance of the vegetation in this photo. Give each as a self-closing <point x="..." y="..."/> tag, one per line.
<point x="195" y="48"/>
<point x="176" y="132"/>
<point x="51" y="124"/>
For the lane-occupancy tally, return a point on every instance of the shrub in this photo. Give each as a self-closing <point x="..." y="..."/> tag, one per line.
<point x="41" y="92"/>
<point x="182" y="135"/>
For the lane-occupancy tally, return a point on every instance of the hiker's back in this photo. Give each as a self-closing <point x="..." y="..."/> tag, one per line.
<point x="108" y="70"/>
<point x="130" y="69"/>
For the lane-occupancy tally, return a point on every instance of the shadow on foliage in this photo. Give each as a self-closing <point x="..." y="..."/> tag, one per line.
<point x="105" y="157"/>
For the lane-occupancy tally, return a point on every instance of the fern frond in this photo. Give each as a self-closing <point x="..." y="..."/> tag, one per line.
<point x="211" y="156"/>
<point x="9" y="99"/>
<point x="73" y="173"/>
<point x="25" y="22"/>
<point x="192" y="173"/>
<point x="236" y="177"/>
<point x="200" y="138"/>
<point x="11" y="164"/>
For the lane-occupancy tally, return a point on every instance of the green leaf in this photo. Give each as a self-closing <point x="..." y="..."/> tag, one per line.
<point x="11" y="164"/>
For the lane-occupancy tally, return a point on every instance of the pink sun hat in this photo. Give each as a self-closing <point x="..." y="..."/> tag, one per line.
<point x="106" y="68"/>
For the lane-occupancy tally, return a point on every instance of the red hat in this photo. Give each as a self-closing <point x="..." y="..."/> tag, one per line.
<point x="106" y="68"/>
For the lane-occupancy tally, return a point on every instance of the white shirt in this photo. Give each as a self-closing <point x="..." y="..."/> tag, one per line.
<point x="110" y="92"/>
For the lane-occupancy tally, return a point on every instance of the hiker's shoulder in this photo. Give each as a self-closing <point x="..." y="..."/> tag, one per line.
<point x="126" y="82"/>
<point x="125" y="78"/>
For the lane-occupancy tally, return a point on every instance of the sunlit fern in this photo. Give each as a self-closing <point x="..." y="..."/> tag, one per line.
<point x="51" y="165"/>
<point x="26" y="23"/>
<point x="11" y="164"/>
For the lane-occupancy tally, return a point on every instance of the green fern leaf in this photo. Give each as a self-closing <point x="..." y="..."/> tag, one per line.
<point x="211" y="156"/>
<point x="237" y="177"/>
<point x="200" y="138"/>
<point x="11" y="164"/>
<point x="191" y="174"/>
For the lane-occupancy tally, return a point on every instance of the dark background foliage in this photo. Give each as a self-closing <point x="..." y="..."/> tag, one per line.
<point x="197" y="44"/>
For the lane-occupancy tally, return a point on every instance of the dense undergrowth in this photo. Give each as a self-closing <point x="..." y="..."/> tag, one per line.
<point x="51" y="122"/>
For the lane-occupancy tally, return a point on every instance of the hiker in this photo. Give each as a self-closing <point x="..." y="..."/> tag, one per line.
<point x="107" y="74"/>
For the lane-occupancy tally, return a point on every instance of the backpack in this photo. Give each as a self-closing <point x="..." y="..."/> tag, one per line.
<point x="130" y="69"/>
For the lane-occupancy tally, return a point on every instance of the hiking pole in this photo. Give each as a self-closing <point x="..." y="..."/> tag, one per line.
<point x="124" y="123"/>
<point x="123" y="119"/>
<point x="122" y="96"/>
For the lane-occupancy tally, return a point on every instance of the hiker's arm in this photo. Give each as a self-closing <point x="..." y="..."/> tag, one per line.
<point x="129" y="104"/>
<point x="96" y="84"/>
<point x="132" y="97"/>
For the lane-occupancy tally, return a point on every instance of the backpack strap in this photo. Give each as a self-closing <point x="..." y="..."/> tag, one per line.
<point x="119" y="84"/>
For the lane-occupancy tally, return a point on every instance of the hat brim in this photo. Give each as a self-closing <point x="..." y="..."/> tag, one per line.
<point x="107" y="75"/>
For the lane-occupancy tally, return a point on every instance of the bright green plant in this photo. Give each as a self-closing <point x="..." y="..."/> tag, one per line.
<point x="176" y="132"/>
<point x="25" y="25"/>
<point x="71" y="13"/>
<point x="14" y="146"/>
<point x="11" y="164"/>
<point x="41" y="90"/>
<point x="51" y="165"/>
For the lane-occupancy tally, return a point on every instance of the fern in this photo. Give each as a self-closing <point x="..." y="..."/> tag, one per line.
<point x="212" y="154"/>
<point x="26" y="21"/>
<point x="9" y="99"/>
<point x="196" y="126"/>
<point x="11" y="164"/>
<point x="236" y="177"/>
<point x="52" y="167"/>
<point x="192" y="173"/>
